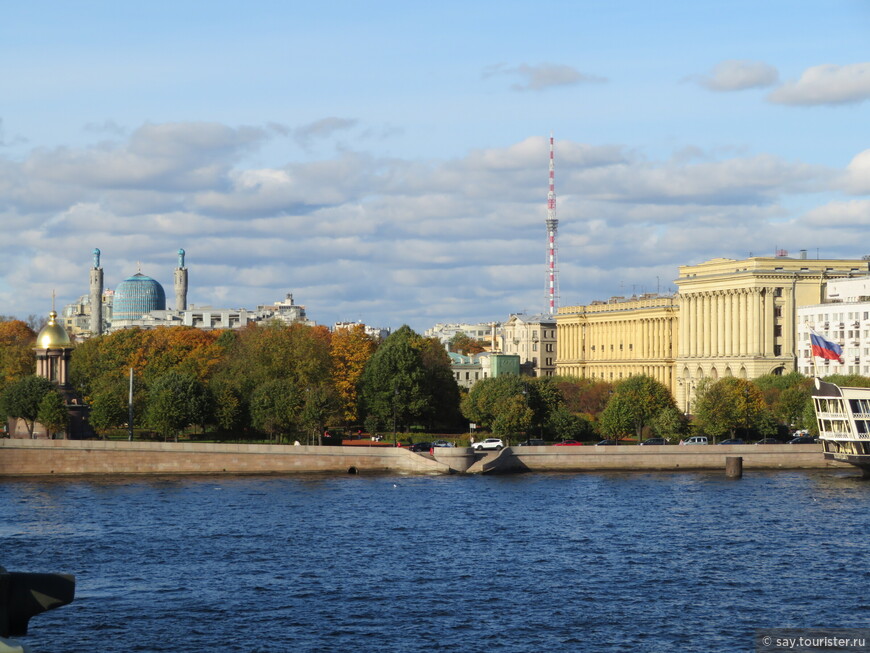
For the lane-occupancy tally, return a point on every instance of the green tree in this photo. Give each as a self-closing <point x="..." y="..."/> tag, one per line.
<point x="175" y="401"/>
<point x="320" y="404"/>
<point x="395" y="384"/>
<point x="22" y="399"/>
<point x="563" y="424"/>
<point x="515" y="417"/>
<point x="110" y="405"/>
<point x="729" y="404"/>
<point x="489" y="397"/>
<point x="637" y="403"/>
<point x="275" y="407"/>
<point x="52" y="413"/>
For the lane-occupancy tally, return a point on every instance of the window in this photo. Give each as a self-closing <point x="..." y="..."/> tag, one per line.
<point x="777" y="330"/>
<point x="534" y="346"/>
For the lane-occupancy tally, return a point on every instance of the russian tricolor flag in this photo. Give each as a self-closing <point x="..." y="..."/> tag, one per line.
<point x="825" y="348"/>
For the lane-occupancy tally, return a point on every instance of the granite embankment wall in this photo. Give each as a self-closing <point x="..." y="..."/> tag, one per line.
<point x="672" y="457"/>
<point x="70" y="457"/>
<point x="67" y="457"/>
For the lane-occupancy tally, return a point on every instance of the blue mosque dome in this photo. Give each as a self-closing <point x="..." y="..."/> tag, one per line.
<point x="136" y="296"/>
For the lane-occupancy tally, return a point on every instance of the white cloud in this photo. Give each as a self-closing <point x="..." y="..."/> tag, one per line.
<point x="388" y="240"/>
<point x="739" y="74"/>
<point x="839" y="215"/>
<point x="857" y="178"/>
<point x="543" y="76"/>
<point x="826" y="84"/>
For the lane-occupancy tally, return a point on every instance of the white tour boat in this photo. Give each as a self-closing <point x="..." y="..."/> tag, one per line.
<point x="843" y="416"/>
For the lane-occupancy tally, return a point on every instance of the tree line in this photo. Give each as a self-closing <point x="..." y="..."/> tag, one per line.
<point x="283" y="382"/>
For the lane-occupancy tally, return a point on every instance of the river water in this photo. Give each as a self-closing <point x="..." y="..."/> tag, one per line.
<point x="534" y="562"/>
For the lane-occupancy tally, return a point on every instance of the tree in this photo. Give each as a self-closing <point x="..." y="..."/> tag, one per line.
<point x="22" y="399"/>
<point x="17" y="359"/>
<point x="275" y="407"/>
<point x="489" y="397"/>
<point x="395" y="386"/>
<point x="730" y="404"/>
<point x="320" y="404"/>
<point x="350" y="350"/>
<point x="52" y="413"/>
<point x="514" y="417"/>
<point x="637" y="402"/>
<point x="175" y="400"/>
<point x="110" y="405"/>
<point x="563" y="424"/>
<point x="466" y="345"/>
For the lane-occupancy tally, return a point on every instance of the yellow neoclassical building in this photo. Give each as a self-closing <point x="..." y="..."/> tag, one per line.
<point x="619" y="338"/>
<point x="729" y="318"/>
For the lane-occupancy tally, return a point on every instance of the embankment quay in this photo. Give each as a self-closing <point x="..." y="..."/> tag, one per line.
<point x="76" y="457"/>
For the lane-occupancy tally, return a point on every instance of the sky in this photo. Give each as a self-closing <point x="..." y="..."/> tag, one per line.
<point x="387" y="162"/>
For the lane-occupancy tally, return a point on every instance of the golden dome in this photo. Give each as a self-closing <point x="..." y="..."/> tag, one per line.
<point x="52" y="335"/>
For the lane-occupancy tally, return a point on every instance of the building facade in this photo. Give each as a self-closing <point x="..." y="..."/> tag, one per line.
<point x="843" y="318"/>
<point x="739" y="318"/>
<point x="533" y="339"/>
<point x="468" y="370"/>
<point x="446" y="332"/>
<point x="622" y="337"/>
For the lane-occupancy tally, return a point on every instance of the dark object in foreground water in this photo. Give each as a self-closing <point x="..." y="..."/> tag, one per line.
<point x="24" y="595"/>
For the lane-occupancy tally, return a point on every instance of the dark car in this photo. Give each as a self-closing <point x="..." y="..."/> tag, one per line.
<point x="803" y="439"/>
<point x="655" y="441"/>
<point x="769" y="441"/>
<point x="733" y="441"/>
<point x="568" y="443"/>
<point x="532" y="443"/>
<point x="420" y="446"/>
<point x="605" y="443"/>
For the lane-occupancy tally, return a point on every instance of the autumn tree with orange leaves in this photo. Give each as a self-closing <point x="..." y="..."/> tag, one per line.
<point x="351" y="350"/>
<point x="17" y="358"/>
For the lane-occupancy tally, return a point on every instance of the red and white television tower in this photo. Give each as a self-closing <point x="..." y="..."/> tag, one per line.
<point x="552" y="226"/>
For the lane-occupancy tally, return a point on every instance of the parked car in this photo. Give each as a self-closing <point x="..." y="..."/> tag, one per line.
<point x="568" y="443"/>
<point x="655" y="441"/>
<point x="732" y="441"/>
<point x="532" y="443"/>
<point x="442" y="443"/>
<point x="769" y="441"/>
<point x="420" y="446"/>
<point x="489" y="443"/>
<point x="696" y="439"/>
<point x="605" y="443"/>
<point x="803" y="439"/>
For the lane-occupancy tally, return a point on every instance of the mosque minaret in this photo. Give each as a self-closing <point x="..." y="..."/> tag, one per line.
<point x="96" y="298"/>
<point x="181" y="283"/>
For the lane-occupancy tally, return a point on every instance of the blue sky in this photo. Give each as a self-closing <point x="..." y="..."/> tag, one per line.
<point x="387" y="162"/>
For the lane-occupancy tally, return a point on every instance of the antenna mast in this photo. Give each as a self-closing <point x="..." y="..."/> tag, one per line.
<point x="552" y="227"/>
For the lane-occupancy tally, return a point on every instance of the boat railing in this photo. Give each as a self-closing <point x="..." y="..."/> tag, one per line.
<point x="843" y="435"/>
<point x="822" y="415"/>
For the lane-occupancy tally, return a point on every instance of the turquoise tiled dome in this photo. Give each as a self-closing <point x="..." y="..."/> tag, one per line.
<point x="136" y="296"/>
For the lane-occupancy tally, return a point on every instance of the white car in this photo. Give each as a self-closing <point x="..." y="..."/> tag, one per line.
<point x="489" y="443"/>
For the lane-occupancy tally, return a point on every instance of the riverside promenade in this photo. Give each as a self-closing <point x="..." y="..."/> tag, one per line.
<point x="102" y="457"/>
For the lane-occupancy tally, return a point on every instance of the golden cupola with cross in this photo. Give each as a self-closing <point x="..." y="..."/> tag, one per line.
<point x="53" y="348"/>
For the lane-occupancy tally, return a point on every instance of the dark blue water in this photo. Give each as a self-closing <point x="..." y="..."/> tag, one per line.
<point x="535" y="562"/>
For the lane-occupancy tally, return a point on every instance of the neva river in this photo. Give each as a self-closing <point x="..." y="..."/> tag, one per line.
<point x="536" y="562"/>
